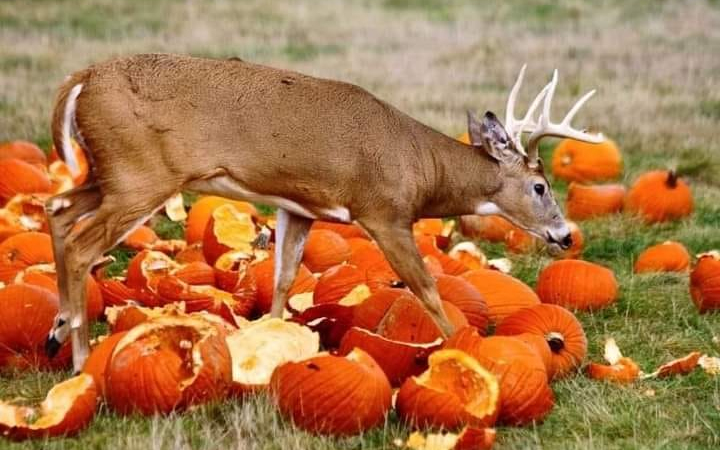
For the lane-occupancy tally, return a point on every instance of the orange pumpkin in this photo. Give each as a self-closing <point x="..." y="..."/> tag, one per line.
<point x="346" y="230"/>
<point x="336" y="282"/>
<point x="558" y="327"/>
<point x="228" y="229"/>
<point x="141" y="238"/>
<point x="525" y="395"/>
<point x="200" y="213"/>
<point x="23" y="334"/>
<point x="263" y="273"/>
<point x="427" y="245"/>
<point x="666" y="257"/>
<point x="625" y="370"/>
<point x="490" y="228"/>
<point x="115" y="292"/>
<point x="68" y="408"/>
<point x="455" y="390"/>
<point x="168" y="363"/>
<point x="503" y="294"/>
<point x="577" y="284"/>
<point x="582" y="161"/>
<point x="397" y="359"/>
<point x="463" y="294"/>
<point x="705" y="282"/>
<point x="19" y="177"/>
<point x="520" y="241"/>
<point x="659" y="196"/>
<point x="191" y="253"/>
<point x="370" y="312"/>
<point x="333" y="395"/>
<point x="324" y="249"/>
<point x="23" y="250"/>
<point x="23" y="150"/>
<point x="97" y="361"/>
<point x="541" y="347"/>
<point x="589" y="201"/>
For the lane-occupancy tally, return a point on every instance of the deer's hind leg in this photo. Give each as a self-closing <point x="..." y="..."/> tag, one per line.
<point x="118" y="214"/>
<point x="63" y="212"/>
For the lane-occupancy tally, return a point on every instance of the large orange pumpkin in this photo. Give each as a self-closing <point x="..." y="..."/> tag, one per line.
<point x="503" y="294"/>
<point x="588" y="201"/>
<point x="666" y="257"/>
<point x="331" y="394"/>
<point x="168" y="363"/>
<point x="19" y="177"/>
<point x="28" y="313"/>
<point x="525" y="395"/>
<point x="558" y="327"/>
<point x="659" y="196"/>
<point x="68" y="408"/>
<point x="705" y="282"/>
<point x="582" y="161"/>
<point x="455" y="390"/>
<point x="467" y="298"/>
<point x="23" y="150"/>
<point x="324" y="249"/>
<point x="200" y="213"/>
<point x="23" y="250"/>
<point x="577" y="284"/>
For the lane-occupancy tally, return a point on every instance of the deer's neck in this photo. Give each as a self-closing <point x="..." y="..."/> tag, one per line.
<point x="461" y="177"/>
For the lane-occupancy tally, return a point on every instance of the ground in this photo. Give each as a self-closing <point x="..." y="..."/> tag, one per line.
<point x="655" y="65"/>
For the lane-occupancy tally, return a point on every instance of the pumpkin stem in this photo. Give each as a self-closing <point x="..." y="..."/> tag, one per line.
<point x="672" y="178"/>
<point x="556" y="341"/>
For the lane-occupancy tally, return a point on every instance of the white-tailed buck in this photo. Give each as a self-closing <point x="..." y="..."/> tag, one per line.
<point x="154" y="125"/>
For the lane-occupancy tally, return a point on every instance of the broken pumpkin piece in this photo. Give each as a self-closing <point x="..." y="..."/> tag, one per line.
<point x="710" y="364"/>
<point x="455" y="390"/>
<point x="398" y="359"/>
<point x="470" y="438"/>
<point x="175" y="208"/>
<point x="123" y="317"/>
<point x="228" y="229"/>
<point x="680" y="366"/>
<point x="68" y="408"/>
<point x="469" y="254"/>
<point x="263" y="345"/>
<point x="620" y="369"/>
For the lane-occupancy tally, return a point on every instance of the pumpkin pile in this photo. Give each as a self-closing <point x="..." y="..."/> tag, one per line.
<point x="188" y="319"/>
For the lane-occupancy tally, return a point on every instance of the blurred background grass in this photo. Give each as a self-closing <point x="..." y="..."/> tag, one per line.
<point x="655" y="65"/>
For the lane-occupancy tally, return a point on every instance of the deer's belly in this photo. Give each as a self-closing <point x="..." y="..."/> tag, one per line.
<point x="226" y="186"/>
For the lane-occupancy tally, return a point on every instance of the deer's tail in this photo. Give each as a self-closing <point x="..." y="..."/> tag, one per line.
<point x="63" y="125"/>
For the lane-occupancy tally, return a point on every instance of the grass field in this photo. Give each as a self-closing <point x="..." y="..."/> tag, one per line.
<point x="657" y="69"/>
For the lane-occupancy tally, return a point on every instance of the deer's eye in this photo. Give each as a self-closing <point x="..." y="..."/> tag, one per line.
<point x="539" y="189"/>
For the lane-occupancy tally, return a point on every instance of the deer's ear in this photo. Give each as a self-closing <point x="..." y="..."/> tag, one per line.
<point x="490" y="135"/>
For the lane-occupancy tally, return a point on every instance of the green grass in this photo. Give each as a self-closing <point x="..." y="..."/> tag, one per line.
<point x="657" y="98"/>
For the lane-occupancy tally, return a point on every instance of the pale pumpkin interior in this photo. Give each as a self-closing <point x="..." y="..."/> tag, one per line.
<point x="456" y="372"/>
<point x="256" y="350"/>
<point x="59" y="400"/>
<point x="233" y="228"/>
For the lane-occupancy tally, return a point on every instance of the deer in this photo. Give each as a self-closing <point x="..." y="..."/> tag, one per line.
<point x="154" y="125"/>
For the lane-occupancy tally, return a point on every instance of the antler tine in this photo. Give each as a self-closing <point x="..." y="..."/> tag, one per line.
<point x="514" y="126"/>
<point x="564" y="128"/>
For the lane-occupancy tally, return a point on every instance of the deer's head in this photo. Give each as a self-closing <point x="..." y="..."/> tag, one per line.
<point x="525" y="197"/>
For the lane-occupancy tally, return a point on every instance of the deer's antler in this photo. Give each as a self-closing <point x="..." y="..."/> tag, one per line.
<point x="543" y="127"/>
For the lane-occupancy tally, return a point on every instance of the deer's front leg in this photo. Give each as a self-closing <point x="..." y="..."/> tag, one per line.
<point x="290" y="234"/>
<point x="397" y="243"/>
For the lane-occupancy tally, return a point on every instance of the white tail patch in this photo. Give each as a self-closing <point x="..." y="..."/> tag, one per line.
<point x="68" y="154"/>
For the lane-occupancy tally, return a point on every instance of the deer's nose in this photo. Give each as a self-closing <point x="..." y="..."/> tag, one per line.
<point x="567" y="241"/>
